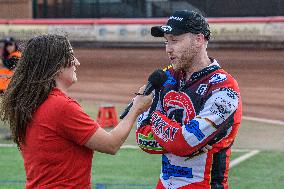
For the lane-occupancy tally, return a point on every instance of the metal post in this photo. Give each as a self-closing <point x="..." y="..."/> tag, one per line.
<point x="35" y="9"/>
<point x="44" y="8"/>
<point x="149" y="9"/>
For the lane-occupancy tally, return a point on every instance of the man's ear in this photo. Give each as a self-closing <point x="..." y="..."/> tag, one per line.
<point x="200" y="39"/>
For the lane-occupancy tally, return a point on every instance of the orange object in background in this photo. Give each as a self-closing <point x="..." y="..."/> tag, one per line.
<point x="17" y="54"/>
<point x="107" y="116"/>
<point x="5" y="77"/>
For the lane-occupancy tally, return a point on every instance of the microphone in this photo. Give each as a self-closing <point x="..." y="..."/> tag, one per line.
<point x="155" y="81"/>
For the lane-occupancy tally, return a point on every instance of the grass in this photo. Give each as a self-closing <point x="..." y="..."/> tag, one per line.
<point x="131" y="168"/>
<point x="263" y="171"/>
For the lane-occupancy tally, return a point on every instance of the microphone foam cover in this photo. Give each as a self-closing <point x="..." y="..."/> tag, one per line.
<point x="158" y="78"/>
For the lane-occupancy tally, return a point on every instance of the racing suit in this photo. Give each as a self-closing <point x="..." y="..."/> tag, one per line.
<point x="184" y="117"/>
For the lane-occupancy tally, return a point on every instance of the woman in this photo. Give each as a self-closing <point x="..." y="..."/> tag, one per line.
<point x="11" y="53"/>
<point x="10" y="57"/>
<point x="55" y="136"/>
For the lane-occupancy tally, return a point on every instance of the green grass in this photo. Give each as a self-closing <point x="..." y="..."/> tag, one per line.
<point x="128" y="166"/>
<point x="131" y="168"/>
<point x="12" y="174"/>
<point x="263" y="171"/>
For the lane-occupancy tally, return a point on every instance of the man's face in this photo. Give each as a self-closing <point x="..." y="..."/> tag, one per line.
<point x="181" y="50"/>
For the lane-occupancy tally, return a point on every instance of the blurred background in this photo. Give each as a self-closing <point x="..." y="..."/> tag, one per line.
<point x="112" y="41"/>
<point x="136" y="8"/>
<point x="106" y="22"/>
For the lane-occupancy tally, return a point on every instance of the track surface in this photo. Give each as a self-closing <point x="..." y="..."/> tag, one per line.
<point x="113" y="75"/>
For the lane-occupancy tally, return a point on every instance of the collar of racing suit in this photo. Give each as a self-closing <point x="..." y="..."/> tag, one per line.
<point x="181" y="81"/>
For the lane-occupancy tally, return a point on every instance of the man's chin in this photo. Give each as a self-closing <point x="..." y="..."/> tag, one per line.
<point x="177" y="67"/>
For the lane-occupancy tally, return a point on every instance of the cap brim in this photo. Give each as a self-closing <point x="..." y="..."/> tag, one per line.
<point x="159" y="31"/>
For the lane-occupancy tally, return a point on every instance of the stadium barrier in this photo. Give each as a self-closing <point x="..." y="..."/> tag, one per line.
<point x="226" y="32"/>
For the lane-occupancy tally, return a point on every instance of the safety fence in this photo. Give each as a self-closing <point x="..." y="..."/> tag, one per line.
<point x="135" y="32"/>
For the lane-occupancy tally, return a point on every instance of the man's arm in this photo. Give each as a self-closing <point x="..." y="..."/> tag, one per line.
<point x="183" y="140"/>
<point x="144" y="135"/>
<point x="146" y="140"/>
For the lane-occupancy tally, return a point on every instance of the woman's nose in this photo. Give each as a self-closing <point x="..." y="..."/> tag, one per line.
<point x="77" y="63"/>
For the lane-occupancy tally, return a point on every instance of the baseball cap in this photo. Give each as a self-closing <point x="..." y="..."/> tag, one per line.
<point x="181" y="22"/>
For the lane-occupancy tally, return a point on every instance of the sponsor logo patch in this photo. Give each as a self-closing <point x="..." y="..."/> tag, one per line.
<point x="166" y="28"/>
<point x="176" y="18"/>
<point x="230" y="93"/>
<point x="178" y="107"/>
<point x="201" y="89"/>
<point x="148" y="142"/>
<point x="162" y="129"/>
<point x="222" y="107"/>
<point x="170" y="170"/>
<point x="217" y="78"/>
<point x="193" y="127"/>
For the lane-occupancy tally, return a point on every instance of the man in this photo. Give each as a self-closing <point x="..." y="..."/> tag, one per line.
<point x="199" y="104"/>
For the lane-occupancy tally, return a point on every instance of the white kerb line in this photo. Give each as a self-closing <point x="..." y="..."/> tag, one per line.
<point x="129" y="147"/>
<point x="269" y="121"/>
<point x="232" y="163"/>
<point x="7" y="145"/>
<point x="243" y="158"/>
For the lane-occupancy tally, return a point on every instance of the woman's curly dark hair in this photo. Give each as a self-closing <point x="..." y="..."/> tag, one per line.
<point x="33" y="80"/>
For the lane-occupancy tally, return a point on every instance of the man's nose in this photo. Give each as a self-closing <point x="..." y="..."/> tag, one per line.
<point x="169" y="48"/>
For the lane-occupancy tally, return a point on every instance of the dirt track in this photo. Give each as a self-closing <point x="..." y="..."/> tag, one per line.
<point x="113" y="75"/>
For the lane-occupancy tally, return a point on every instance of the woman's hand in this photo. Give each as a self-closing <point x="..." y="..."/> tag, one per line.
<point x="141" y="102"/>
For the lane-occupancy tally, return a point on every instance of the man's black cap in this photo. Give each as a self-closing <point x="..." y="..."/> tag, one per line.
<point x="183" y="22"/>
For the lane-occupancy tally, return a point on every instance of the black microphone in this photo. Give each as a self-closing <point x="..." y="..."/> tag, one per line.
<point x="155" y="81"/>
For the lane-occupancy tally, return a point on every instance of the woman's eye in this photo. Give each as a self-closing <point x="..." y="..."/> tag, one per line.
<point x="72" y="59"/>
